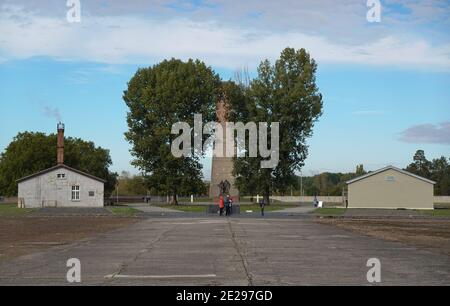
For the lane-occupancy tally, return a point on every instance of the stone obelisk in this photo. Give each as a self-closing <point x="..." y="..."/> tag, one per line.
<point x="222" y="166"/>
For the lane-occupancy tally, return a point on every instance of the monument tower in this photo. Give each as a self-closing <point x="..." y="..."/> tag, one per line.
<point x="222" y="179"/>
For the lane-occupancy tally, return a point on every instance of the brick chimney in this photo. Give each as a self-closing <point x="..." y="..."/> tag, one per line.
<point x="60" y="146"/>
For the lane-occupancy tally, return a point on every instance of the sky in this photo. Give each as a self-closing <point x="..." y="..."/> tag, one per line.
<point x="385" y="85"/>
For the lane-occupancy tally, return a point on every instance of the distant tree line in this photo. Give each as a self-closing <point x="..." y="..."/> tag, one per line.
<point x="130" y="185"/>
<point x="325" y="184"/>
<point x="133" y="185"/>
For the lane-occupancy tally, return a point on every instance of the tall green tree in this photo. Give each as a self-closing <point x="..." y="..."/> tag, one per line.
<point x="157" y="97"/>
<point x="440" y="173"/>
<point x="29" y="153"/>
<point x="420" y="165"/>
<point x="128" y="185"/>
<point x="285" y="92"/>
<point x="437" y="170"/>
<point x="360" y="170"/>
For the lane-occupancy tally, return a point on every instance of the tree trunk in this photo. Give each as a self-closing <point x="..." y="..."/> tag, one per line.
<point x="174" y="199"/>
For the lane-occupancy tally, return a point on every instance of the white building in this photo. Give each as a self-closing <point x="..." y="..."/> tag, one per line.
<point x="60" y="186"/>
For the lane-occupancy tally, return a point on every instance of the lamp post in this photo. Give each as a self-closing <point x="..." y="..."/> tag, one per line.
<point x="117" y="193"/>
<point x="301" y="186"/>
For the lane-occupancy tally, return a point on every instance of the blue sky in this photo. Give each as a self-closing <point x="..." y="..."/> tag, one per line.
<point x="386" y="85"/>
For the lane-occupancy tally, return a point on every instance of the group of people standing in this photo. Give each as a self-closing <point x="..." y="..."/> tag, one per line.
<point x="226" y="204"/>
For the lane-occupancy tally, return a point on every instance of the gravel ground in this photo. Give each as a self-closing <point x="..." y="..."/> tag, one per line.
<point x="24" y="235"/>
<point x="433" y="234"/>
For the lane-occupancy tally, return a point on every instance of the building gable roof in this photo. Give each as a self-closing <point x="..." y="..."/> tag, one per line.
<point x="59" y="167"/>
<point x="389" y="168"/>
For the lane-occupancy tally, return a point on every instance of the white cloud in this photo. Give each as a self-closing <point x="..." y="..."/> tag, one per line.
<point x="135" y="39"/>
<point x="427" y="133"/>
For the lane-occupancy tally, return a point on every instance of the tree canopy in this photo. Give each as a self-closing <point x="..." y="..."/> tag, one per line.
<point x="285" y="92"/>
<point x="157" y="97"/>
<point x="30" y="152"/>
<point x="437" y="170"/>
<point x="131" y="185"/>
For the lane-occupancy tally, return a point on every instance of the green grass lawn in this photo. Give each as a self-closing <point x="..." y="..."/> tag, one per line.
<point x="246" y="200"/>
<point x="436" y="212"/>
<point x="272" y="207"/>
<point x="123" y="211"/>
<point x="203" y="208"/>
<point x="11" y="210"/>
<point x="442" y="205"/>
<point x="196" y="200"/>
<point x="329" y="211"/>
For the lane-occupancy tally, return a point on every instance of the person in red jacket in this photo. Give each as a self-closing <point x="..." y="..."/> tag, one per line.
<point x="221" y="205"/>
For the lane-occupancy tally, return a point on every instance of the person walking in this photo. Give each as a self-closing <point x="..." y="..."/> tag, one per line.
<point x="228" y="205"/>
<point x="221" y="205"/>
<point x="315" y="201"/>
<point x="262" y="204"/>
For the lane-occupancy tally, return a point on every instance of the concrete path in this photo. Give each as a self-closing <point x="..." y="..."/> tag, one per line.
<point x="234" y="251"/>
<point x="150" y="209"/>
<point x="146" y="208"/>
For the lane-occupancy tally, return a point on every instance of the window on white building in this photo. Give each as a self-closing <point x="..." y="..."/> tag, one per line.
<point x="61" y="175"/>
<point x="75" y="193"/>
